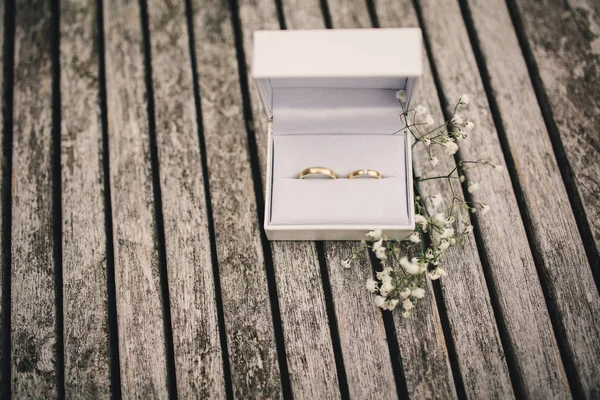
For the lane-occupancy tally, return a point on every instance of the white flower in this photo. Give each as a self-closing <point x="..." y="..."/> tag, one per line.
<point x="375" y="234"/>
<point x="385" y="288"/>
<point x="485" y="209"/>
<point x="437" y="273"/>
<point x="401" y="95"/>
<point x="429" y="120"/>
<point x="469" y="125"/>
<point x="446" y="233"/>
<point x="392" y="304"/>
<point x="421" y="220"/>
<point x="406" y="314"/>
<point x="415" y="238"/>
<point x="377" y="244"/>
<point x="380" y="253"/>
<point x="405" y="293"/>
<point x="460" y="133"/>
<point x="451" y="147"/>
<point x="437" y="200"/>
<point x="441" y="219"/>
<point x="371" y="285"/>
<point x="464" y="99"/>
<point x="379" y="301"/>
<point x="458" y="119"/>
<point x="444" y="244"/>
<point x="410" y="267"/>
<point x="473" y="187"/>
<point x="434" y="160"/>
<point x="420" y="110"/>
<point x="468" y="229"/>
<point x="346" y="263"/>
<point x="426" y="141"/>
<point x="418" y="293"/>
<point x="407" y="305"/>
<point x="498" y="168"/>
<point x="462" y="178"/>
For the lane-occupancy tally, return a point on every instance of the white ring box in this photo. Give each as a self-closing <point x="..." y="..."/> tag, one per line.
<point x="330" y="96"/>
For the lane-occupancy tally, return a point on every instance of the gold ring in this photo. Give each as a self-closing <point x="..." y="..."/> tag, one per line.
<point x="317" y="171"/>
<point x="365" y="172"/>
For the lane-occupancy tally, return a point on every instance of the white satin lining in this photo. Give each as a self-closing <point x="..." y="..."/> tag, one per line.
<point x="335" y="111"/>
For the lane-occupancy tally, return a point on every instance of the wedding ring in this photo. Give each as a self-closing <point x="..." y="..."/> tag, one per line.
<point x="317" y="171"/>
<point x="366" y="173"/>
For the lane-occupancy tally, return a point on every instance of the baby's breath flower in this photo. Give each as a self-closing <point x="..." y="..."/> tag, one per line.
<point x="437" y="200"/>
<point x="468" y="229"/>
<point x="451" y="147"/>
<point x="418" y="293"/>
<point x="405" y="293"/>
<point x="410" y="267"/>
<point x="464" y="99"/>
<point x="473" y="187"/>
<point x="379" y="301"/>
<point x="380" y="253"/>
<point x="420" y="110"/>
<point x="371" y="285"/>
<point x="458" y="119"/>
<point x="406" y="314"/>
<point x="415" y="238"/>
<point x="469" y="125"/>
<point x="434" y="160"/>
<point x="443" y="246"/>
<point x="407" y="305"/>
<point x="346" y="263"/>
<point x="421" y="221"/>
<point x="485" y="209"/>
<point x="437" y="273"/>
<point x="375" y="234"/>
<point x="429" y="120"/>
<point x="391" y="304"/>
<point x="446" y="233"/>
<point x="385" y="288"/>
<point x="401" y="96"/>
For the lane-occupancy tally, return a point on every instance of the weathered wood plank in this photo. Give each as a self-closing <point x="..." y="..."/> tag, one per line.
<point x="473" y="327"/>
<point x="4" y="381"/>
<point x="87" y="364"/>
<point x="513" y="275"/>
<point x="198" y="358"/>
<point x="541" y="184"/>
<point x="420" y="337"/>
<point x="248" y="319"/>
<point x="139" y="307"/>
<point x="304" y="317"/>
<point x="562" y="39"/>
<point x="33" y="312"/>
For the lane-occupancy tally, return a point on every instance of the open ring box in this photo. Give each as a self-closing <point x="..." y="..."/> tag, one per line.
<point x="331" y="99"/>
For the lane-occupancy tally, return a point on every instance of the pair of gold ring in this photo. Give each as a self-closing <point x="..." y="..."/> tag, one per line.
<point x="329" y="173"/>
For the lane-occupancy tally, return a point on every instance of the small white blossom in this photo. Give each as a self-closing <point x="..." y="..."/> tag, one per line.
<point x="498" y="168"/>
<point x="406" y="314"/>
<point x="391" y="304"/>
<point x="443" y="246"/>
<point x="346" y="263"/>
<point x="371" y="285"/>
<point x="380" y="253"/>
<point x="437" y="273"/>
<point x="407" y="305"/>
<point x="464" y="99"/>
<point x="462" y="178"/>
<point x="451" y="147"/>
<point x="468" y="229"/>
<point x="469" y="125"/>
<point x="437" y="200"/>
<point x="458" y="119"/>
<point x="434" y="160"/>
<point x="421" y="220"/>
<point x="460" y="133"/>
<point x="485" y="209"/>
<point x="418" y="293"/>
<point x="429" y="120"/>
<point x="409" y="266"/>
<point x="415" y="238"/>
<point x="420" y="110"/>
<point x="375" y="234"/>
<point x="401" y="95"/>
<point x="379" y="301"/>
<point x="377" y="244"/>
<point x="473" y="187"/>
<point x="446" y="233"/>
<point x="405" y="293"/>
<point x="385" y="288"/>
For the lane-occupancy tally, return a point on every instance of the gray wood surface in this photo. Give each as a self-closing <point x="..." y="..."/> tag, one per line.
<point x="549" y="210"/>
<point x="248" y="319"/>
<point x="305" y="323"/>
<point x="139" y="307"/>
<point x="529" y="337"/>
<point x="563" y="38"/>
<point x="3" y="164"/>
<point x="86" y="343"/>
<point x="198" y="358"/>
<point x="33" y="302"/>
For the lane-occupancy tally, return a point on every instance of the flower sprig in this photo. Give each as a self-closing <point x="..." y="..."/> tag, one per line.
<point x="402" y="279"/>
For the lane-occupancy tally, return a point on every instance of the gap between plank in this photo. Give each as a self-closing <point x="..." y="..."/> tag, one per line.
<point x="7" y="144"/>
<point x="516" y="184"/>
<point x="112" y="321"/>
<point x="209" y="209"/>
<point x="560" y="153"/>
<point x="57" y="196"/>
<point x="158" y="214"/>
<point x="258" y="193"/>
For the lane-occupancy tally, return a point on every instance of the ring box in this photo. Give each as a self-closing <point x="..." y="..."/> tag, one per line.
<point x="331" y="98"/>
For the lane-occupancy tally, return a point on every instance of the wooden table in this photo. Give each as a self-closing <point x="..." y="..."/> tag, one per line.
<point x="134" y="263"/>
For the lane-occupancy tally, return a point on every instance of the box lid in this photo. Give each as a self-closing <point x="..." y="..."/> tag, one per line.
<point x="388" y="59"/>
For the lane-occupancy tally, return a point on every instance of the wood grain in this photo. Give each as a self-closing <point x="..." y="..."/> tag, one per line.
<point x="137" y="280"/>
<point x="4" y="381"/>
<point x="478" y="347"/>
<point x="513" y="276"/>
<point x="33" y="312"/>
<point x="198" y="359"/>
<point x="248" y="319"/>
<point x="86" y="345"/>
<point x="552" y="224"/>
<point x="308" y="344"/>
